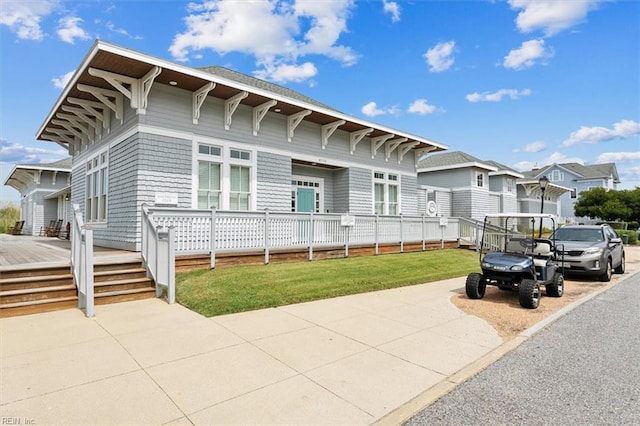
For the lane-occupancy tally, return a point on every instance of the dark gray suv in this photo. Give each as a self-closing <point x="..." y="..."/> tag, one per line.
<point x="590" y="249"/>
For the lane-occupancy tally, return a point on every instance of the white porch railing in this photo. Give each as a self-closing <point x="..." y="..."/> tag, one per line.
<point x="158" y="254"/>
<point x="82" y="261"/>
<point x="211" y="231"/>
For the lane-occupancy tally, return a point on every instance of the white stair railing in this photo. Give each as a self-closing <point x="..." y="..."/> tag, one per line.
<point x="159" y="254"/>
<point x="82" y="261"/>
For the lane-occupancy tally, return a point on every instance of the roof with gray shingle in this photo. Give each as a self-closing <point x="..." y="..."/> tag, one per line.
<point x="65" y="163"/>
<point x="261" y="84"/>
<point x="448" y="159"/>
<point x="595" y="171"/>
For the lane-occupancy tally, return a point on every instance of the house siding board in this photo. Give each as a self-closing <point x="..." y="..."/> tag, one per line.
<point x="409" y="201"/>
<point x="341" y="191"/>
<point x="360" y="191"/>
<point x="171" y="108"/>
<point x="473" y="203"/>
<point x="273" y="178"/>
<point x="454" y="178"/>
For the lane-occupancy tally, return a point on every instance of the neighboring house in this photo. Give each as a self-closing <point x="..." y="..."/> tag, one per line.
<point x="465" y="186"/>
<point x="144" y="130"/>
<point x="44" y="193"/>
<point x="577" y="178"/>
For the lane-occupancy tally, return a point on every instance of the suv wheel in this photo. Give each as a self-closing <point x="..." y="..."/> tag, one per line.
<point x="620" y="268"/>
<point x="475" y="286"/>
<point x="608" y="272"/>
<point x="529" y="294"/>
<point x="556" y="289"/>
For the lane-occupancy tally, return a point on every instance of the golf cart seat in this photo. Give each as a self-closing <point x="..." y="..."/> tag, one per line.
<point x="542" y="252"/>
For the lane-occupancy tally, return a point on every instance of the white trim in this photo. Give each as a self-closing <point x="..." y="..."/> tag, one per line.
<point x="457" y="166"/>
<point x="318" y="190"/>
<point x="226" y="162"/>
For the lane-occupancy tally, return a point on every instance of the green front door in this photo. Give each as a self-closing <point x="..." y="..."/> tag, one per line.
<point x="305" y="200"/>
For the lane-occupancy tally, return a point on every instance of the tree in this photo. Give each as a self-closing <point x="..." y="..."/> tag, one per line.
<point x="598" y="203"/>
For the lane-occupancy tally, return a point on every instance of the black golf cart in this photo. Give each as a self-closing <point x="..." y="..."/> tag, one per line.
<point x="512" y="258"/>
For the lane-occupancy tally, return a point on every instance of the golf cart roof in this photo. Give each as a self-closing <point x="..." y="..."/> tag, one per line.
<point x="522" y="215"/>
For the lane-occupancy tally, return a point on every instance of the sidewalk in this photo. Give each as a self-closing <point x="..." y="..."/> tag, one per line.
<point x="348" y="360"/>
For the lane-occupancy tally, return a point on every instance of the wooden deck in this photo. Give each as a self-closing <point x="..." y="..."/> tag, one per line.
<point x="20" y="250"/>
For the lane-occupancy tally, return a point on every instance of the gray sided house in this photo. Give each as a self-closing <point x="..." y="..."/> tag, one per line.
<point x="44" y="193"/>
<point x="465" y="186"/>
<point x="576" y="178"/>
<point x="144" y="130"/>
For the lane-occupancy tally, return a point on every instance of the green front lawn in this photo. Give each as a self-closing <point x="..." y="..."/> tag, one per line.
<point x="244" y="288"/>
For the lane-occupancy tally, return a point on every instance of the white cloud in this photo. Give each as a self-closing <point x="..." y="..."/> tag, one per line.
<point x="535" y="146"/>
<point x="421" y="107"/>
<point x="440" y="57"/>
<point x="618" y="157"/>
<point x="554" y="158"/>
<point x="111" y="27"/>
<point x="551" y="16"/>
<point x="284" y="73"/>
<point x="69" y="29"/>
<point x="23" y="17"/>
<point x="275" y="32"/>
<point x="497" y="96"/>
<point x="15" y="153"/>
<point x="527" y="54"/>
<point x="371" y="109"/>
<point x="61" y="82"/>
<point x="622" y="129"/>
<point x="393" y="9"/>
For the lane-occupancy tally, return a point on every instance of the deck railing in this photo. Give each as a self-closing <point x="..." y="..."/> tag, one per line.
<point x="211" y="231"/>
<point x="82" y="261"/>
<point x="158" y="254"/>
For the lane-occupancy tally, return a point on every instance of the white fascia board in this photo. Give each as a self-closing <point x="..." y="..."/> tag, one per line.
<point x="64" y="191"/>
<point x="108" y="47"/>
<point x="508" y="173"/>
<point x="458" y="166"/>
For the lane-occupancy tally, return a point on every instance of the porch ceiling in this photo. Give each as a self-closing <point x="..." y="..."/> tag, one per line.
<point x="67" y="122"/>
<point x="532" y="188"/>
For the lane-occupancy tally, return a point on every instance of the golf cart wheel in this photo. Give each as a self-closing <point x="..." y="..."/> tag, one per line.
<point x="620" y="268"/>
<point x="608" y="272"/>
<point x="556" y="289"/>
<point x="529" y="294"/>
<point x="475" y="286"/>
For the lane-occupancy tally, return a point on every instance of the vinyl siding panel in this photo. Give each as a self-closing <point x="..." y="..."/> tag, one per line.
<point x="273" y="182"/>
<point x="409" y="201"/>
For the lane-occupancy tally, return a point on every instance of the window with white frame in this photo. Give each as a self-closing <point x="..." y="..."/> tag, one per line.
<point x="556" y="176"/>
<point x="480" y="180"/>
<point x="385" y="189"/>
<point x="224" y="178"/>
<point x="97" y="185"/>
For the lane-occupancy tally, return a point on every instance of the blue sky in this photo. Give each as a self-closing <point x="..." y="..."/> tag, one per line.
<point x="522" y="82"/>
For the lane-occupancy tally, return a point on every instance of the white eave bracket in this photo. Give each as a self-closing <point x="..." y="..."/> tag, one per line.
<point x="69" y="128"/>
<point x="259" y="113"/>
<point x="82" y="115"/>
<point x="199" y="97"/>
<point x="328" y="130"/>
<point x="356" y="137"/>
<point x="391" y="146"/>
<point x="403" y="149"/>
<point x="293" y="121"/>
<point x="421" y="152"/>
<point x="230" y="106"/>
<point x="110" y="98"/>
<point x="100" y="111"/>
<point x="377" y="142"/>
<point x="137" y="90"/>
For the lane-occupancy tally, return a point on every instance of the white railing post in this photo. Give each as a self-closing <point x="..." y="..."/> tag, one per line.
<point x="401" y="234"/>
<point x="267" y="236"/>
<point x="377" y="230"/>
<point x="424" y="233"/>
<point x="159" y="254"/>
<point x="311" y="234"/>
<point x="82" y="262"/>
<point x="212" y="239"/>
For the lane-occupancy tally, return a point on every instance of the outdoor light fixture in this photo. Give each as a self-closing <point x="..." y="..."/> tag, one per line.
<point x="543" y="181"/>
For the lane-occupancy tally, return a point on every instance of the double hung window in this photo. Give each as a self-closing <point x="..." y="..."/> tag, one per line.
<point x="97" y="185"/>
<point x="385" y="189"/>
<point x="224" y="178"/>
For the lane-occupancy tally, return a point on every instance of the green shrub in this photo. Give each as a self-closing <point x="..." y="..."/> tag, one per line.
<point x="631" y="236"/>
<point x="9" y="215"/>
